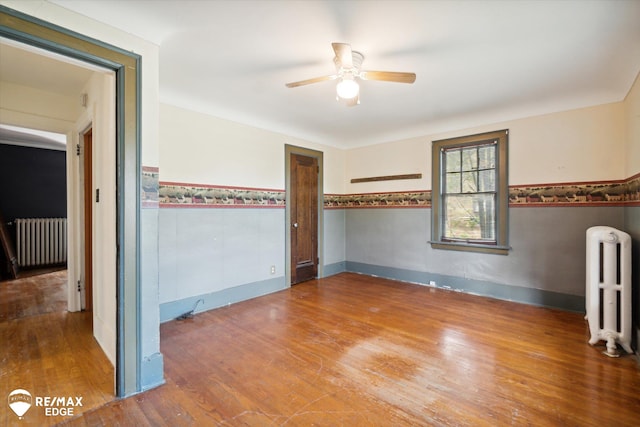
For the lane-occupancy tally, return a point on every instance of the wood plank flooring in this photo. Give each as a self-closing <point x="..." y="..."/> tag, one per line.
<point x="33" y="294"/>
<point x="48" y="351"/>
<point x="360" y="351"/>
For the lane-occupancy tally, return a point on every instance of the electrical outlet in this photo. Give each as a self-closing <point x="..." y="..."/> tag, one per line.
<point x="273" y="269"/>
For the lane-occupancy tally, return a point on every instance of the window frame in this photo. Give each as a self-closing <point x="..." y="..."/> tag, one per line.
<point x="438" y="148"/>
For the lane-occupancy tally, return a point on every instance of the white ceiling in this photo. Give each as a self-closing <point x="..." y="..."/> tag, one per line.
<point x="477" y="62"/>
<point x="35" y="68"/>
<point x="28" y="66"/>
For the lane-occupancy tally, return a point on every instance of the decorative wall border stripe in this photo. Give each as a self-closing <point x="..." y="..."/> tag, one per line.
<point x="185" y="195"/>
<point x="612" y="193"/>
<point x="601" y="193"/>
<point x="411" y="199"/>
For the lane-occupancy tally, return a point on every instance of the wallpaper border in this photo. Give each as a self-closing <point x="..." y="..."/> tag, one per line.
<point x="184" y="195"/>
<point x="162" y="194"/>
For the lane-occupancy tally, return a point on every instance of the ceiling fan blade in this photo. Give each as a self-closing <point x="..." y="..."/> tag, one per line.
<point x="344" y="54"/>
<point x="310" y="81"/>
<point x="388" y="76"/>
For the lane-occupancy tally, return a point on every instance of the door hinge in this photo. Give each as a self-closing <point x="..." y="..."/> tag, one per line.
<point x="318" y="261"/>
<point x="79" y="286"/>
<point x="77" y="149"/>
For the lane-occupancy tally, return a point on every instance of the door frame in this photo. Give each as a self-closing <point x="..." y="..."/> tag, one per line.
<point x="288" y="151"/>
<point x="32" y="31"/>
<point x="87" y="208"/>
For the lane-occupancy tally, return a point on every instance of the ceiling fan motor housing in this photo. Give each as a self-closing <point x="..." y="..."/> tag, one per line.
<point x="357" y="59"/>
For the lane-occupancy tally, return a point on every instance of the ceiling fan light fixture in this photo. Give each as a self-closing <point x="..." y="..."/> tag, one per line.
<point x="348" y="64"/>
<point x="347" y="88"/>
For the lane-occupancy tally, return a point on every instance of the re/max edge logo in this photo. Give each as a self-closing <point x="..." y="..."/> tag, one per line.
<point x="20" y="401"/>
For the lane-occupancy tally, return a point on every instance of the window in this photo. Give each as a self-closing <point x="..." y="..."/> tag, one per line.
<point x="469" y="196"/>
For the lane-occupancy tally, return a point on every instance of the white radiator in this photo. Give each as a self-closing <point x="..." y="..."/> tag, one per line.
<point x="608" y="292"/>
<point x="41" y="241"/>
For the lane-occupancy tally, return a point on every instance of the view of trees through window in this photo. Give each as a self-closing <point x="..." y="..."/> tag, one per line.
<point x="469" y="193"/>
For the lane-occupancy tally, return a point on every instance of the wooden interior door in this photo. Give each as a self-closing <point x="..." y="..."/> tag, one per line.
<point x="88" y="220"/>
<point x="304" y="217"/>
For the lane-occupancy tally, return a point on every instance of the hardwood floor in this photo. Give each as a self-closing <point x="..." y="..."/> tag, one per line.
<point x="47" y="350"/>
<point x="355" y="350"/>
<point x="33" y="294"/>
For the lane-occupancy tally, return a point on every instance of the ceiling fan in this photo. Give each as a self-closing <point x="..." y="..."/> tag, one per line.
<point x="348" y="63"/>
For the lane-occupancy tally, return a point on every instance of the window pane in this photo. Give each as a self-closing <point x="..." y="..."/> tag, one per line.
<point x="487" y="180"/>
<point x="452" y="160"/>
<point x="469" y="217"/>
<point x="470" y="194"/>
<point x="469" y="182"/>
<point x="469" y="159"/>
<point x="453" y="183"/>
<point x="487" y="157"/>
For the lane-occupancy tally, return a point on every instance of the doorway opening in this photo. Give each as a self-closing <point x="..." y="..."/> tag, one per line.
<point x="33" y="204"/>
<point x="36" y="305"/>
<point x="124" y="191"/>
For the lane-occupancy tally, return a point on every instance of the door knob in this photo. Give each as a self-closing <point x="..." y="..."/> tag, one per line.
<point x="295" y="225"/>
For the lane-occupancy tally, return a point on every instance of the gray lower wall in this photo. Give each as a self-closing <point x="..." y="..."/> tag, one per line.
<point x="548" y="251"/>
<point x="334" y="241"/>
<point x="224" y="255"/>
<point x="204" y="251"/>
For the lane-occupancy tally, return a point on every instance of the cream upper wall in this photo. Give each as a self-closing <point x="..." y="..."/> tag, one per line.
<point x="588" y="144"/>
<point x="578" y="145"/>
<point x="197" y="148"/>
<point x="632" y="110"/>
<point x="150" y="60"/>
